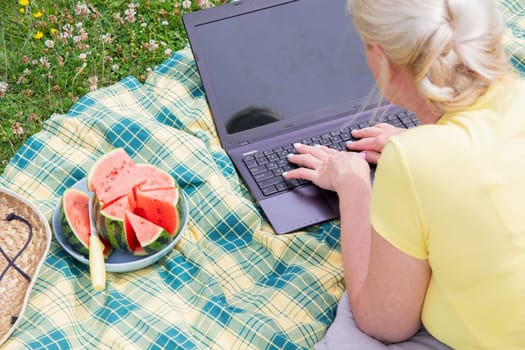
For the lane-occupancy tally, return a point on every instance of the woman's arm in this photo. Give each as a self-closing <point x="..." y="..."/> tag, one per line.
<point x="386" y="287"/>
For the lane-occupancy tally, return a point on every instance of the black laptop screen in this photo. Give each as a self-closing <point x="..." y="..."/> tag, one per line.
<point x="280" y="66"/>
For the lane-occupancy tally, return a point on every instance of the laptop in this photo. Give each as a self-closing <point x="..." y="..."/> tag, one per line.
<point x="276" y="72"/>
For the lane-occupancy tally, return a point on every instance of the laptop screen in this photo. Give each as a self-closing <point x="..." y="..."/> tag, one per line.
<point x="268" y="66"/>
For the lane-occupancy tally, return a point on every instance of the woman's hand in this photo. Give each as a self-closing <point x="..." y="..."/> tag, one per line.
<point x="326" y="167"/>
<point x="372" y="140"/>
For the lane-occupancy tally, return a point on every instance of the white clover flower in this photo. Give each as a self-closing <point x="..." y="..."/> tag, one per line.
<point x="82" y="10"/>
<point x="17" y="128"/>
<point x="63" y="36"/>
<point x="44" y="61"/>
<point x="68" y="28"/>
<point x="186" y="4"/>
<point x="106" y="38"/>
<point x="152" y="45"/>
<point x="83" y="34"/>
<point x="4" y="86"/>
<point x="118" y="18"/>
<point x="204" y="4"/>
<point x="92" y="82"/>
<point x="130" y="14"/>
<point x="82" y="56"/>
<point x="49" y="43"/>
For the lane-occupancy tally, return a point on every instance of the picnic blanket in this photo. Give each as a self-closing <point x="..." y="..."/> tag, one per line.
<point x="230" y="282"/>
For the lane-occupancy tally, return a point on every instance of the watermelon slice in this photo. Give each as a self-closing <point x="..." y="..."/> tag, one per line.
<point x="159" y="207"/>
<point x="114" y="175"/>
<point x="155" y="178"/>
<point x="130" y="232"/>
<point x="110" y="224"/>
<point x="152" y="238"/>
<point x="74" y="217"/>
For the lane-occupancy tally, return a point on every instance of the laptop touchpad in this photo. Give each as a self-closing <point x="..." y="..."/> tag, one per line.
<point x="304" y="206"/>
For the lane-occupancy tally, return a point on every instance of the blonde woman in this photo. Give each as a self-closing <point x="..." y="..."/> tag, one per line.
<point x="440" y="238"/>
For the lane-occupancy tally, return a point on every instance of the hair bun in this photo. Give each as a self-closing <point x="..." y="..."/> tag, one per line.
<point x="454" y="49"/>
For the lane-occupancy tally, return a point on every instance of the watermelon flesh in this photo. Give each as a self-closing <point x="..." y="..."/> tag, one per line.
<point x="155" y="178"/>
<point x="113" y="176"/>
<point x="74" y="213"/>
<point x="170" y="195"/>
<point x="75" y="219"/>
<point x="159" y="207"/>
<point x="151" y="237"/>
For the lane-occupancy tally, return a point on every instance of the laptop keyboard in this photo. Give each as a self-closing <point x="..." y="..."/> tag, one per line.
<point x="267" y="166"/>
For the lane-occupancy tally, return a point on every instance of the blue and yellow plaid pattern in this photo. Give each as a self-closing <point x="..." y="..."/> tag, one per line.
<point x="514" y="39"/>
<point x="230" y="283"/>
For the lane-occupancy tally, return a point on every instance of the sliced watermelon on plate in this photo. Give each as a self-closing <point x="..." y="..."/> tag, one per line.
<point x="74" y="217"/>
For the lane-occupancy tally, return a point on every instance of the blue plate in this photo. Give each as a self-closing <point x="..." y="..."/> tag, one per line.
<point x="120" y="261"/>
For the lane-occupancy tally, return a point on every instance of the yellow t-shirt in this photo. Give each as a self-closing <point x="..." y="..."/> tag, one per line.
<point x="454" y="193"/>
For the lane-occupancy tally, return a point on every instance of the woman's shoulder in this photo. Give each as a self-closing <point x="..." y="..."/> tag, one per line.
<point x="424" y="150"/>
<point x="422" y="137"/>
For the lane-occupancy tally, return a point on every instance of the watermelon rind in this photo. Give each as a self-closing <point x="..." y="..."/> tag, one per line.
<point x="139" y="251"/>
<point x="112" y="227"/>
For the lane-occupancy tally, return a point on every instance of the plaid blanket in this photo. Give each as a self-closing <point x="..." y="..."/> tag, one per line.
<point x="514" y="39"/>
<point x="230" y="282"/>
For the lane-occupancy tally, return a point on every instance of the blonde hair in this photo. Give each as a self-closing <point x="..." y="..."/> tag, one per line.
<point x="452" y="47"/>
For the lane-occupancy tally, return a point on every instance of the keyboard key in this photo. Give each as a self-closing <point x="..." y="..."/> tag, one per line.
<point x="258" y="169"/>
<point x="281" y="186"/>
<point x="268" y="191"/>
<point x="250" y="163"/>
<point x="271" y="181"/>
<point x="260" y="177"/>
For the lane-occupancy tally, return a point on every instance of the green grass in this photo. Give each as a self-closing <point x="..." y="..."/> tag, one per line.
<point x="54" y="52"/>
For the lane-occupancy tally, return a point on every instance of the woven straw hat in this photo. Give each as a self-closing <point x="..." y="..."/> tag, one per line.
<point x="25" y="237"/>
